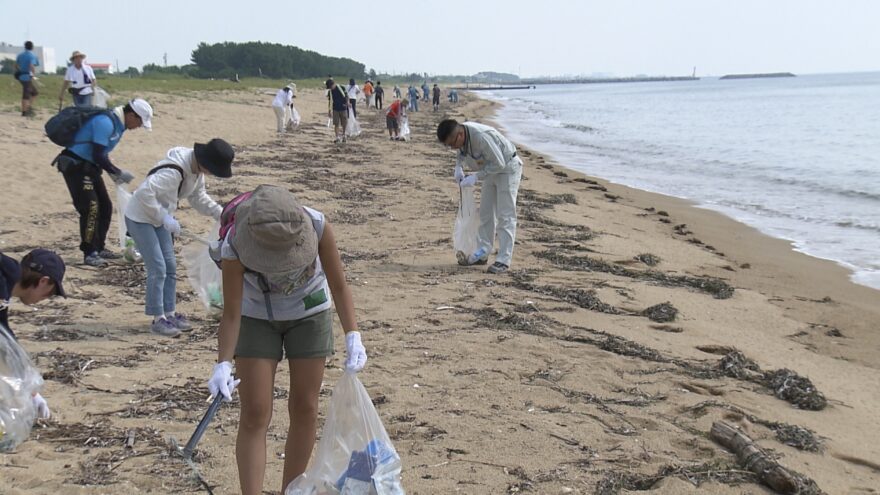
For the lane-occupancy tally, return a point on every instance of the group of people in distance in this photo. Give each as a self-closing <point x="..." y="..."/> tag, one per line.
<point x="281" y="269"/>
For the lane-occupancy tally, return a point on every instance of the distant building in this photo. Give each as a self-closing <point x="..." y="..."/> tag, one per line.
<point x="46" y="56"/>
<point x="101" y="68"/>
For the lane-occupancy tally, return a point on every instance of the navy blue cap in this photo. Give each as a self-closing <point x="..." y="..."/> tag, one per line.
<point x="49" y="264"/>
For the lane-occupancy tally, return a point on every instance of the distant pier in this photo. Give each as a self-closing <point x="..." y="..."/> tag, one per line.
<point x="757" y="76"/>
<point x="604" y="80"/>
<point x="489" y="88"/>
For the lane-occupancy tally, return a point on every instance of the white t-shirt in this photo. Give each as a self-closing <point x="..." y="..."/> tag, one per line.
<point x="80" y="78"/>
<point x="282" y="98"/>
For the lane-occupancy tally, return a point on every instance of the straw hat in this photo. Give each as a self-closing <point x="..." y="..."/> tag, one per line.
<point x="77" y="53"/>
<point x="273" y="233"/>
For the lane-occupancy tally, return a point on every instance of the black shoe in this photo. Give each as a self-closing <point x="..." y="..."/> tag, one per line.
<point x="497" y="268"/>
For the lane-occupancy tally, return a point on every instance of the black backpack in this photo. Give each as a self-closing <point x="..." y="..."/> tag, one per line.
<point x="62" y="128"/>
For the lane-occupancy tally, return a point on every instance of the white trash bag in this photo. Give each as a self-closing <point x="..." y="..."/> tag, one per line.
<point x="467" y="223"/>
<point x="404" y="129"/>
<point x="19" y="381"/>
<point x="355" y="455"/>
<point x="203" y="273"/>
<point x="294" y="117"/>
<point x="100" y="98"/>
<point x="352" y="128"/>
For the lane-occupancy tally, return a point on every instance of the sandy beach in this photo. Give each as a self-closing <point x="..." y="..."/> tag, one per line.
<point x="563" y="376"/>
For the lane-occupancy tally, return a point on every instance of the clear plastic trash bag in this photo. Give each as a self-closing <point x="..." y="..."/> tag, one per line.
<point x="355" y="455"/>
<point x="100" y="98"/>
<point x="122" y="199"/>
<point x="294" y="117"/>
<point x="467" y="223"/>
<point x="19" y="381"/>
<point x="203" y="273"/>
<point x="404" y="129"/>
<point x="352" y="128"/>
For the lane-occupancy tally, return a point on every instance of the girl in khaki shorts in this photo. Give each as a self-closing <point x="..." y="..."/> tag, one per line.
<point x="280" y="267"/>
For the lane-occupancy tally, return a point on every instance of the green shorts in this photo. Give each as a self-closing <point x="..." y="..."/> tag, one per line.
<point x="310" y="337"/>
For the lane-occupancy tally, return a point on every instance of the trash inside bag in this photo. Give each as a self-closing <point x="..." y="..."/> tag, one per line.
<point x="101" y="98"/>
<point x="355" y="455"/>
<point x="467" y="223"/>
<point x="202" y="272"/>
<point x="19" y="381"/>
<point x="294" y="119"/>
<point x="122" y="199"/>
<point x="404" y="129"/>
<point x="352" y="128"/>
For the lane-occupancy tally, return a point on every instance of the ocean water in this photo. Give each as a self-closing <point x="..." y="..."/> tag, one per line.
<point x="797" y="158"/>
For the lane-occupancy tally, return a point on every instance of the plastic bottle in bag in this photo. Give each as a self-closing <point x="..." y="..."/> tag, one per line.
<point x="131" y="253"/>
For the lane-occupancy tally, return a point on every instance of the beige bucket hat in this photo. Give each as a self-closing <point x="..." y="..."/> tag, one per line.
<point x="77" y="53"/>
<point x="273" y="232"/>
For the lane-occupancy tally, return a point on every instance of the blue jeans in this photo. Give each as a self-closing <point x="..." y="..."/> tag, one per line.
<point x="414" y="103"/>
<point x="83" y="100"/>
<point x="157" y="249"/>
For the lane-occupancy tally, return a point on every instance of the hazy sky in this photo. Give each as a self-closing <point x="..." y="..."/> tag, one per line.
<point x="531" y="38"/>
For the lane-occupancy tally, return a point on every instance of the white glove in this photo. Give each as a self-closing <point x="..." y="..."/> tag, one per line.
<point x="123" y="177"/>
<point x="41" y="406"/>
<point x="171" y="224"/>
<point x="468" y="181"/>
<point x="459" y="174"/>
<point x="222" y="381"/>
<point x="355" y="351"/>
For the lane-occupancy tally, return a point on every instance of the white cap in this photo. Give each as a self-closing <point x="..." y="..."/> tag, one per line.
<point x="143" y="110"/>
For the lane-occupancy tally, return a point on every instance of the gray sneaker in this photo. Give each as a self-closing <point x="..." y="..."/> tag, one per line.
<point x="95" y="260"/>
<point x="497" y="268"/>
<point x="180" y="322"/>
<point x="163" y="327"/>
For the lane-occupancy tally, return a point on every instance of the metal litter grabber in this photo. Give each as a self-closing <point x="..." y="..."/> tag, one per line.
<point x="203" y="425"/>
<point x="187" y="451"/>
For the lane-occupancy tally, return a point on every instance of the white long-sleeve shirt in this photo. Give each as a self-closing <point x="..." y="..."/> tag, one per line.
<point x="282" y="98"/>
<point x="354" y="92"/>
<point x="486" y="151"/>
<point x="157" y="194"/>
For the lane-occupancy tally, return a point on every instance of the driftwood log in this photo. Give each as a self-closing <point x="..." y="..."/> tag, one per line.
<point x="753" y="458"/>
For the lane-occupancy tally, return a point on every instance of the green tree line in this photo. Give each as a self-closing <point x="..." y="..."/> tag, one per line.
<point x="258" y="59"/>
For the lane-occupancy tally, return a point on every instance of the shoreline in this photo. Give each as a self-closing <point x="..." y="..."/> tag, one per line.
<point x="775" y="266"/>
<point x="859" y="266"/>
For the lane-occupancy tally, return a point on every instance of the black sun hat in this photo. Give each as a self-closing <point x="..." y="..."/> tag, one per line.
<point x="216" y="156"/>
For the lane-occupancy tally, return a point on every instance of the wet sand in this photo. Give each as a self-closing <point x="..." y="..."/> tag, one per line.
<point x="551" y="379"/>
